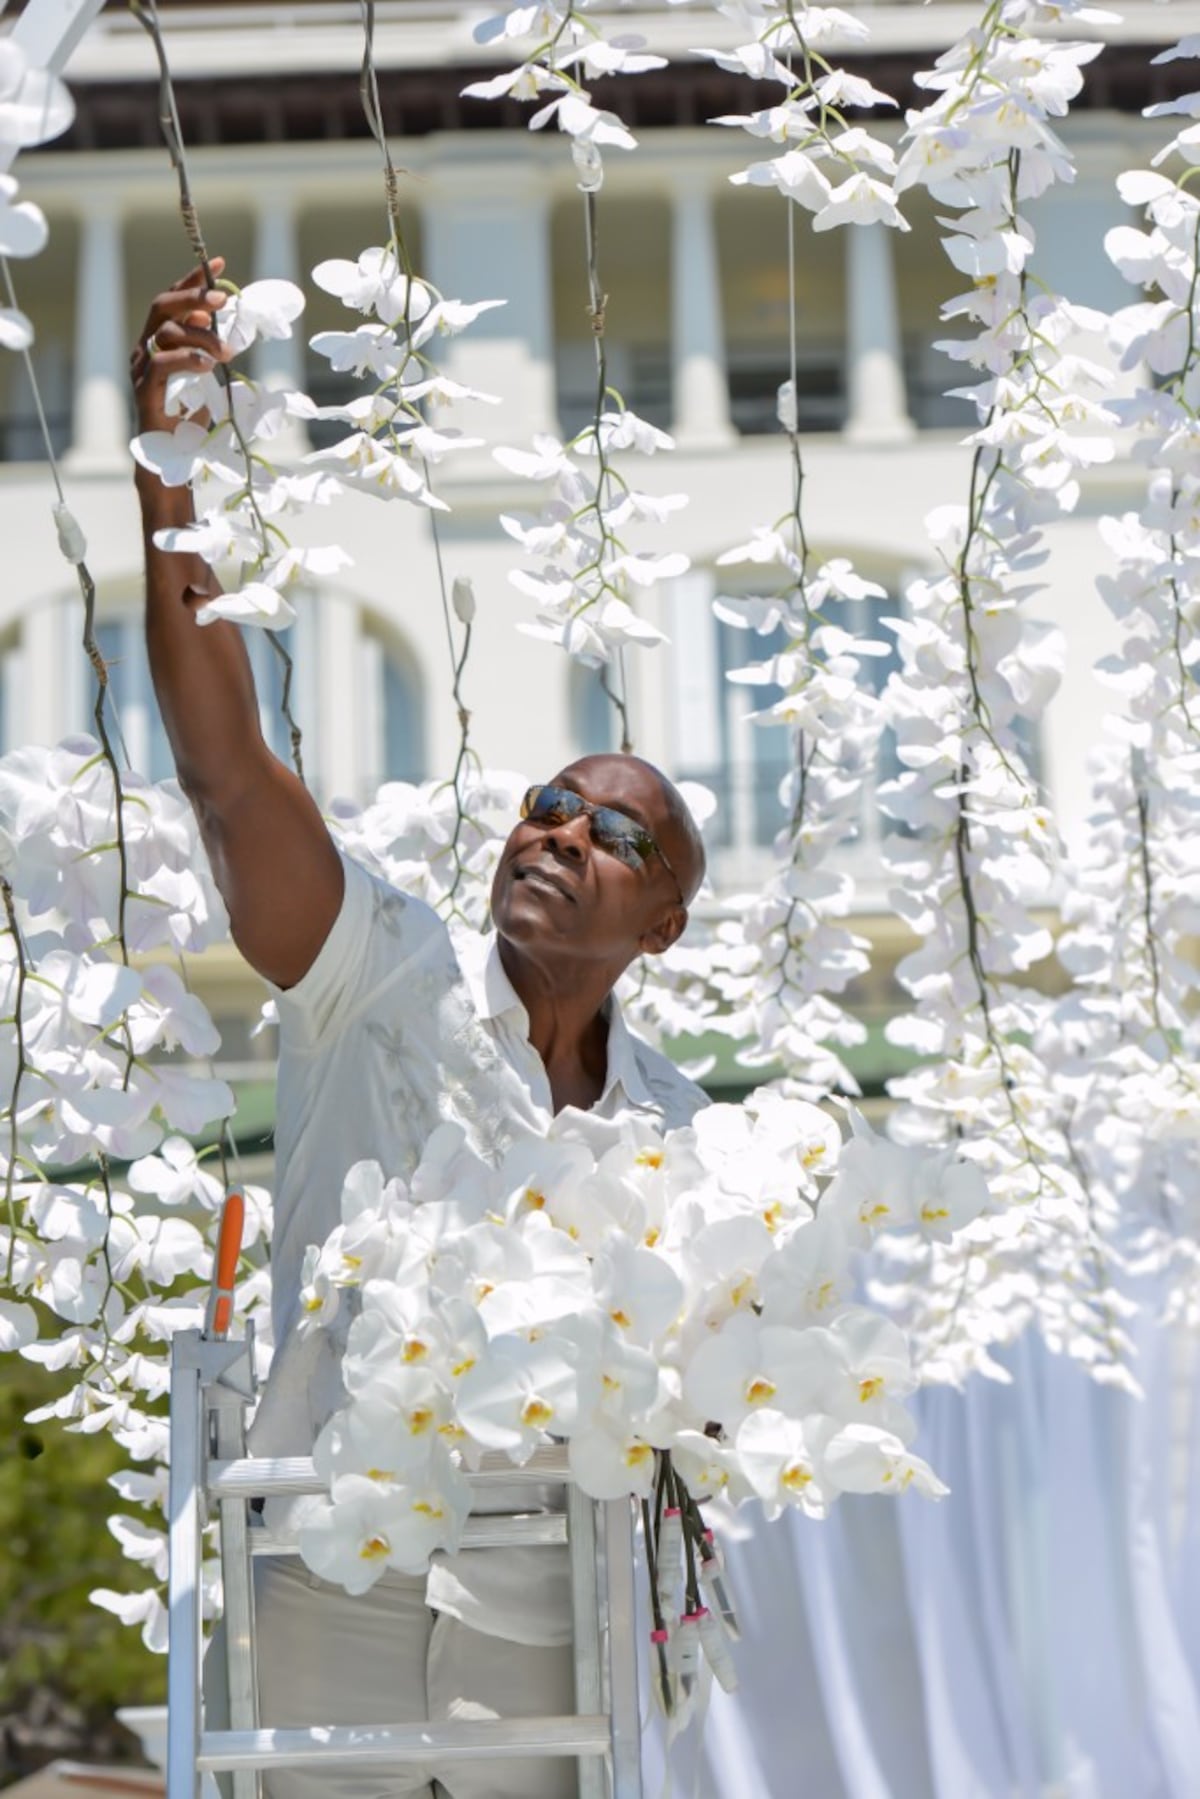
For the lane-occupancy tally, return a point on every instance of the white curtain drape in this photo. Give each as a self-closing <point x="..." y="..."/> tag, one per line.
<point x="1036" y="1635"/>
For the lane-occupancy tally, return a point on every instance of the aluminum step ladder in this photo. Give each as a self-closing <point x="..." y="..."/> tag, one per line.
<point x="212" y="1385"/>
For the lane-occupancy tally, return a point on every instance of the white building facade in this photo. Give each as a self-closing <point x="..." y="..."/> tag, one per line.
<point x="697" y="333"/>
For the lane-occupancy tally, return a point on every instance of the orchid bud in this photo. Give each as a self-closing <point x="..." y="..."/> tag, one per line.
<point x="462" y="598"/>
<point x="71" y="540"/>
<point x="589" y="166"/>
<point x="785" y="407"/>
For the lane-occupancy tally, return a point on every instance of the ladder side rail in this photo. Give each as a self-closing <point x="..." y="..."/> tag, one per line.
<point x="621" y="1618"/>
<point x="585" y="1612"/>
<point x="228" y="1427"/>
<point x="183" y="1579"/>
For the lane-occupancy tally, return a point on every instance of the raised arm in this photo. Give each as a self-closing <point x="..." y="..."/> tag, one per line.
<point x="271" y="855"/>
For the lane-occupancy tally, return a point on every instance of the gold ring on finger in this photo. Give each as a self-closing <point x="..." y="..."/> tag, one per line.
<point x="152" y="345"/>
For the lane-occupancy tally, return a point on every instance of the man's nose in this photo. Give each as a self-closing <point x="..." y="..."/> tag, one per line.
<point x="572" y="837"/>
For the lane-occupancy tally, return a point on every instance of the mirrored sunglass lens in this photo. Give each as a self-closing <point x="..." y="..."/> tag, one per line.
<point x="556" y="805"/>
<point x="619" y="835"/>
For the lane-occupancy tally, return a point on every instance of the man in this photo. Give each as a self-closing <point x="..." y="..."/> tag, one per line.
<point x="385" y="1032"/>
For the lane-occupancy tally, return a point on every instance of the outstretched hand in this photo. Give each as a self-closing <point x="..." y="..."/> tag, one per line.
<point x="178" y="338"/>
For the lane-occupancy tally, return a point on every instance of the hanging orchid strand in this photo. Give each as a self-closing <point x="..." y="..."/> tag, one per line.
<point x="801" y="954"/>
<point x="146" y="13"/>
<point x="587" y="574"/>
<point x="981" y="851"/>
<point x="463" y="605"/>
<point x="590" y="171"/>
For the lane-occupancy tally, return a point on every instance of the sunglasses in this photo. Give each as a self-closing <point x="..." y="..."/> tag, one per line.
<point x="619" y="836"/>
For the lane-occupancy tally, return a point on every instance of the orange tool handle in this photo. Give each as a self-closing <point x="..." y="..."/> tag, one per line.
<point x="229" y="1248"/>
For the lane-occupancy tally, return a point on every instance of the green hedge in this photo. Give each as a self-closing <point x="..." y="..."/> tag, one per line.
<point x="64" y="1665"/>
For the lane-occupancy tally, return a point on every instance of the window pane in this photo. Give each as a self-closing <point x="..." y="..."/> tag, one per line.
<point x="403" y="758"/>
<point x="594" y="715"/>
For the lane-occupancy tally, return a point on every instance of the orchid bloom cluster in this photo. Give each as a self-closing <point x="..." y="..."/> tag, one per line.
<point x="105" y="1064"/>
<point x="1132" y="1029"/>
<point x="641" y="1295"/>
<point x="390" y="448"/>
<point x="436" y="842"/>
<point x="586" y="574"/>
<point x="568" y="49"/>
<point x="979" y="854"/>
<point x="838" y="172"/>
<point x="788" y="953"/>
<point x="221" y="448"/>
<point x="34" y="107"/>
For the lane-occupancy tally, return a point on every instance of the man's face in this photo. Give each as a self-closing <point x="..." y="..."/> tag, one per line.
<point x="557" y="889"/>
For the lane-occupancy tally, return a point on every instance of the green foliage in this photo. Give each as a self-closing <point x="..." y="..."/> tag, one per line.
<point x="64" y="1664"/>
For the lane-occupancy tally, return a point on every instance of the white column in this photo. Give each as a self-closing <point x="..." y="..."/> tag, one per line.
<point x="700" y="382"/>
<point x="339" y="697"/>
<point x="53" y="702"/>
<point x="487" y="237"/>
<point x="697" y="689"/>
<point x="878" y="405"/>
<point x="279" y="361"/>
<point x="100" y="421"/>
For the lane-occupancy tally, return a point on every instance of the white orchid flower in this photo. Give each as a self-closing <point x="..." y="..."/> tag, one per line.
<point x="860" y="200"/>
<point x="745" y="1366"/>
<point x="320" y="1296"/>
<point x="35" y="105"/>
<point x="795" y="174"/>
<point x="175" y="1176"/>
<point x="18" y="1325"/>
<point x="576" y="116"/>
<point x="370" y="1528"/>
<point x="375" y="283"/>
<point x="260" y="310"/>
<point x="367" y="349"/>
<point x="361" y="462"/>
<point x="145" y="1608"/>
<point x="448" y="317"/>
<point x="783" y="1459"/>
<point x="542" y="18"/>
<point x="862" y="1459"/>
<point x="516" y="1395"/>
<point x="523" y="83"/>
<point x="638" y="1289"/>
<point x="617" y="1381"/>
<point x="161" y="1249"/>
<point x="388" y="1438"/>
<point x="608" y="1463"/>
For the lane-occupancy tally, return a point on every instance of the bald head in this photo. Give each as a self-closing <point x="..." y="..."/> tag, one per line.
<point x="635" y="786"/>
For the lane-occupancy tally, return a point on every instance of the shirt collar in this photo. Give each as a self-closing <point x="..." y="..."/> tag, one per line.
<point x="493" y="995"/>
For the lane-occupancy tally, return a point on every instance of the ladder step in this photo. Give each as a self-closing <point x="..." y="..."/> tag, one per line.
<point x="481" y="1532"/>
<point x="393" y="1745"/>
<point x="260" y="1476"/>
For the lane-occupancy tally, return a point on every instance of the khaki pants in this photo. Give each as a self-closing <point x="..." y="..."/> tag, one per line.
<point x="385" y="1658"/>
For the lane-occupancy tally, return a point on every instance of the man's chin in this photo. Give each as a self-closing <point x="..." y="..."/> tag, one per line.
<point x="527" y="914"/>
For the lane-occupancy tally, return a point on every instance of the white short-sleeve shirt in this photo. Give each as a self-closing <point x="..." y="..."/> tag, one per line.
<point x="391" y="1032"/>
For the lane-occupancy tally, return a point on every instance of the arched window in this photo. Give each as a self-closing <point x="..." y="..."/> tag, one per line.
<point x="123" y="645"/>
<point x="392" y="710"/>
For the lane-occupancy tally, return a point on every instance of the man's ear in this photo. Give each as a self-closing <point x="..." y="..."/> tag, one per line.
<point x="662" y="935"/>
